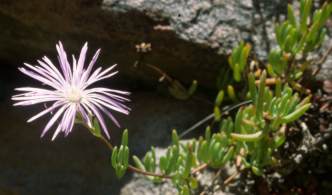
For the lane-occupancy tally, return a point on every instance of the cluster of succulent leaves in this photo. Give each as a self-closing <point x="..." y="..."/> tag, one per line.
<point x="120" y="156"/>
<point x="257" y="130"/>
<point x="238" y="60"/>
<point x="296" y="38"/>
<point x="253" y="136"/>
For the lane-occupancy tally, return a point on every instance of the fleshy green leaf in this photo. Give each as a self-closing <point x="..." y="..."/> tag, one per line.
<point x="291" y="16"/>
<point x="124" y="140"/>
<point x="231" y="93"/>
<point x="296" y="114"/>
<point x="220" y="98"/>
<point x="217" y="113"/>
<point x="95" y="130"/>
<point x="252" y="86"/>
<point x="260" y="98"/>
<point x="247" y="137"/>
<point x="175" y="137"/>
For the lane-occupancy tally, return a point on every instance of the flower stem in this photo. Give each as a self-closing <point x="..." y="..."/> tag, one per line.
<point x="132" y="168"/>
<point x="147" y="173"/>
<point x="140" y="171"/>
<point x="108" y="144"/>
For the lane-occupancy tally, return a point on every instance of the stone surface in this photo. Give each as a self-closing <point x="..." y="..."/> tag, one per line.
<point x="30" y="29"/>
<point x="198" y="30"/>
<point x="326" y="71"/>
<point x="219" y="24"/>
<point x="185" y="35"/>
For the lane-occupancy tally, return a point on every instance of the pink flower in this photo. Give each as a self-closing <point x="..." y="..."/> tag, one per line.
<point x="68" y="91"/>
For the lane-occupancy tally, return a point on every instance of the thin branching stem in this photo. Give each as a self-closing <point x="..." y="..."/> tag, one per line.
<point x="140" y="171"/>
<point x="132" y="168"/>
<point x="147" y="173"/>
<point x="199" y="168"/>
<point x="108" y="144"/>
<point x="230" y="178"/>
<point x="322" y="60"/>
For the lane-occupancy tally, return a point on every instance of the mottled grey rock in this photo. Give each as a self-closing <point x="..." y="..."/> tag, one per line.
<point x="140" y="185"/>
<point x="182" y="33"/>
<point x="326" y="71"/>
<point x="30" y="29"/>
<point x="219" y="24"/>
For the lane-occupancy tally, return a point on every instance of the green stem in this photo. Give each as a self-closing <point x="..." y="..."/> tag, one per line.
<point x="137" y="170"/>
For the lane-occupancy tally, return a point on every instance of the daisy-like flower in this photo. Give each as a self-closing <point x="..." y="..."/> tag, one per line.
<point x="69" y="93"/>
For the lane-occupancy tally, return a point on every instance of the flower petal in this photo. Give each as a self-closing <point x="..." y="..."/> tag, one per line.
<point x="53" y="119"/>
<point x="48" y="110"/>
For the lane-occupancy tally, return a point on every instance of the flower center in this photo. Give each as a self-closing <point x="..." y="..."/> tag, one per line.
<point x="74" y="95"/>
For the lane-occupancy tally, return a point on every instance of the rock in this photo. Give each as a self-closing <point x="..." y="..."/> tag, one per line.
<point x="186" y="36"/>
<point x="142" y="186"/>
<point x="30" y="29"/>
<point x="219" y="24"/>
<point x="326" y="72"/>
<point x="327" y="86"/>
<point x="183" y="34"/>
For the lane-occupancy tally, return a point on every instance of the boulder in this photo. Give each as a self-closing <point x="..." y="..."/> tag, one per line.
<point x="191" y="37"/>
